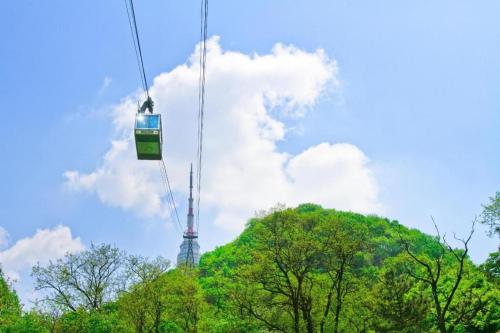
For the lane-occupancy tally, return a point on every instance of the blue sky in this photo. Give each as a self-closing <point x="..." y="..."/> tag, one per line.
<point x="418" y="95"/>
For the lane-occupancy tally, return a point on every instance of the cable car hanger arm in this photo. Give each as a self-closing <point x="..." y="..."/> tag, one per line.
<point x="148" y="104"/>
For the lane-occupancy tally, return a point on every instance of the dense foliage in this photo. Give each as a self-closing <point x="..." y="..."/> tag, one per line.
<point x="306" y="269"/>
<point x="315" y="270"/>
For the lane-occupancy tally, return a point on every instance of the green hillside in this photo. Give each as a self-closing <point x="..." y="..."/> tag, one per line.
<point x="305" y="269"/>
<point x="316" y="270"/>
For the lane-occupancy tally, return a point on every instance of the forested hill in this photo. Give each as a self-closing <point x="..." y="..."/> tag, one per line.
<point x="381" y="236"/>
<point x="311" y="269"/>
<point x="304" y="269"/>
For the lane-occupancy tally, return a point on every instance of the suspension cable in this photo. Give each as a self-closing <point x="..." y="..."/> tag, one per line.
<point x="129" y="4"/>
<point x="201" y="98"/>
<point x="135" y="45"/>
<point x="169" y="195"/>
<point x="165" y="189"/>
<point x="201" y="101"/>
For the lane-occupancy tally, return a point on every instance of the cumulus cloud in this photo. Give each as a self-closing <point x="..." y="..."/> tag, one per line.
<point x="122" y="181"/>
<point x="249" y="98"/>
<point x="337" y="173"/>
<point x="44" y="245"/>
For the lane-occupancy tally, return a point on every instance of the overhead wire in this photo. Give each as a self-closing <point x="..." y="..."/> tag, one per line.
<point x="201" y="101"/>
<point x="132" y="34"/>
<point x="170" y="198"/>
<point x="129" y="4"/>
<point x="170" y="191"/>
<point x="165" y="189"/>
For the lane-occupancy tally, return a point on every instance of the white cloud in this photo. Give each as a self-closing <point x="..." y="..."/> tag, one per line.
<point x="122" y="181"/>
<point x="44" y="245"/>
<point x="243" y="170"/>
<point x="335" y="173"/>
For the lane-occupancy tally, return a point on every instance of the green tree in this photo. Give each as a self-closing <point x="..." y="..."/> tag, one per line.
<point x="106" y="319"/>
<point x="397" y="301"/>
<point x="220" y="284"/>
<point x="185" y="299"/>
<point x="299" y="269"/>
<point x="31" y="322"/>
<point x="285" y="270"/>
<point x="280" y="276"/>
<point x="305" y="269"/>
<point x="343" y="239"/>
<point x="10" y="308"/>
<point x="143" y="304"/>
<point x="444" y="275"/>
<point x="83" y="280"/>
<point x="491" y="267"/>
<point x="491" y="215"/>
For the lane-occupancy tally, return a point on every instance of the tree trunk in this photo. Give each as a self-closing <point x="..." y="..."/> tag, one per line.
<point x="338" y="305"/>
<point x="296" y="316"/>
<point x="157" y="317"/>
<point x="310" y="324"/>
<point x="306" y="313"/>
<point x="327" y="309"/>
<point x="441" y="326"/>
<point x="337" y="315"/>
<point x="440" y="316"/>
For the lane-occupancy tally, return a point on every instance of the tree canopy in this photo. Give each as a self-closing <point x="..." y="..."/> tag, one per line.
<point x="303" y="269"/>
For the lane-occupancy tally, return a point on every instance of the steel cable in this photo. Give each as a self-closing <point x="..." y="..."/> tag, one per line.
<point x="129" y="4"/>
<point x="201" y="101"/>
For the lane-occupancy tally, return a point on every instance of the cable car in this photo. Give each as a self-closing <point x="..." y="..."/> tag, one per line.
<point x="148" y="136"/>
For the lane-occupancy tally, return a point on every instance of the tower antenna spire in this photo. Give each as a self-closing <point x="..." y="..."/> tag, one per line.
<point x="190" y="249"/>
<point x="191" y="182"/>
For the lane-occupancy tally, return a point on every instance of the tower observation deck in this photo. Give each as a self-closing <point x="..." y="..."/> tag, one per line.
<point x="190" y="249"/>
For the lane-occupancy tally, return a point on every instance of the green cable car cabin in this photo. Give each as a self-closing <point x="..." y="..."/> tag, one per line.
<point x="148" y="136"/>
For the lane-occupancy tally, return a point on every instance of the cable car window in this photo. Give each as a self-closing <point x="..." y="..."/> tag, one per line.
<point x="147" y="121"/>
